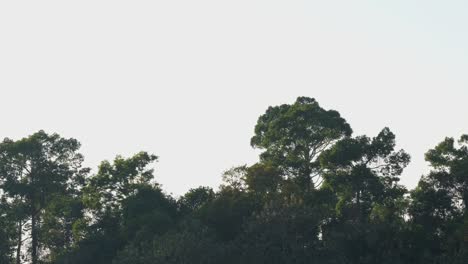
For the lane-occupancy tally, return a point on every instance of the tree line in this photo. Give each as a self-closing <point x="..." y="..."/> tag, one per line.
<point x="318" y="194"/>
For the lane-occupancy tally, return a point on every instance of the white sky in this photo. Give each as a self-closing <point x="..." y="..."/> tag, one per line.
<point x="187" y="80"/>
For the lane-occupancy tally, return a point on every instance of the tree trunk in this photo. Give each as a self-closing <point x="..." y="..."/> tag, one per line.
<point x="358" y="202"/>
<point x="20" y="242"/>
<point x="68" y="234"/>
<point x="34" y="238"/>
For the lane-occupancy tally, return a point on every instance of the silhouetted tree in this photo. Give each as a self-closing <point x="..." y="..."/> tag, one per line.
<point x="36" y="171"/>
<point x="293" y="136"/>
<point x="316" y="195"/>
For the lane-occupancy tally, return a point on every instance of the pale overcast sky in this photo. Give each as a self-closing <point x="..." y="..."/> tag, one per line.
<point x="187" y="80"/>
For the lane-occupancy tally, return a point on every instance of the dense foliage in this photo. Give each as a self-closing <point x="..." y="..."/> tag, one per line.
<point x="317" y="195"/>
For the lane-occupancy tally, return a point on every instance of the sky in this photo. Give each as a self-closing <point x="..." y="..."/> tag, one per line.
<point x="187" y="80"/>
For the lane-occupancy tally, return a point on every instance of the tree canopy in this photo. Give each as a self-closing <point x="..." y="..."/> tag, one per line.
<point x="318" y="194"/>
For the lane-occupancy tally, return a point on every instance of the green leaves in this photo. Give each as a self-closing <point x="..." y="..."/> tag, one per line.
<point x="450" y="169"/>
<point x="38" y="173"/>
<point x="439" y="203"/>
<point x="115" y="181"/>
<point x="317" y="195"/>
<point x="294" y="135"/>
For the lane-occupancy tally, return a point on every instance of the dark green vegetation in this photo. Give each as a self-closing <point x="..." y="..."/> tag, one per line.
<point x="317" y="195"/>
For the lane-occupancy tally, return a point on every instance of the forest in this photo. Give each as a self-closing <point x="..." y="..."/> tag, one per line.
<point x="318" y="194"/>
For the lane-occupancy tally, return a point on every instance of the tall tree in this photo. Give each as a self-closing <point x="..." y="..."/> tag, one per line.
<point x="123" y="202"/>
<point x="439" y="214"/>
<point x="36" y="170"/>
<point x="364" y="173"/>
<point x="293" y="136"/>
<point x="450" y="169"/>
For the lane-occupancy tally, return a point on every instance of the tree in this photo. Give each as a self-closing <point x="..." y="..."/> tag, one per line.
<point x="263" y="178"/>
<point x="450" y="169"/>
<point x="188" y="244"/>
<point x="147" y="213"/>
<point x="281" y="232"/>
<point x="439" y="215"/>
<point x="124" y="203"/>
<point x="114" y="182"/>
<point x="195" y="199"/>
<point x="226" y="214"/>
<point x="364" y="173"/>
<point x="8" y="236"/>
<point x="293" y="136"/>
<point x="60" y="219"/>
<point x="317" y="195"/>
<point x="35" y="170"/>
